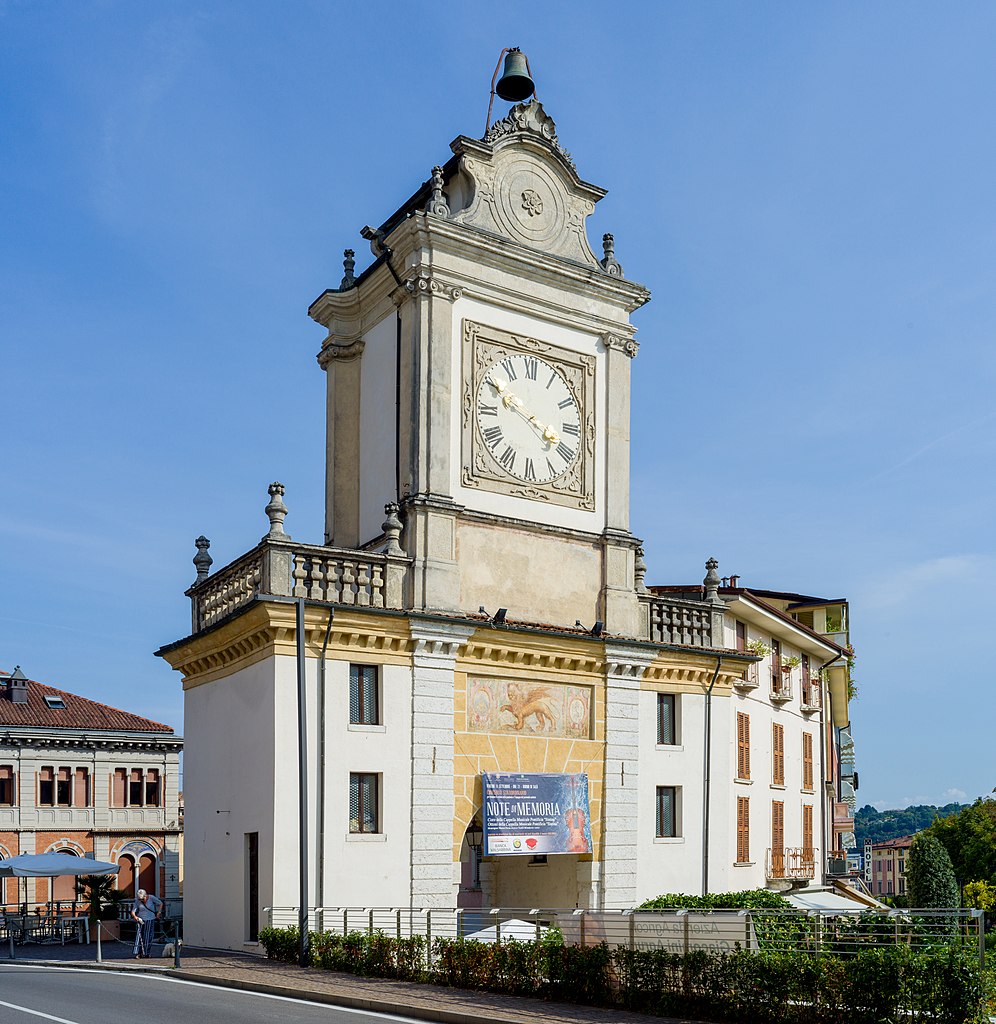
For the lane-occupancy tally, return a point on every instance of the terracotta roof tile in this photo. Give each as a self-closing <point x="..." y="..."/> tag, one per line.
<point x="79" y="712"/>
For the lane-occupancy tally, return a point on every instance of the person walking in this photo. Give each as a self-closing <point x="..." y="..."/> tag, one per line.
<point x="145" y="912"/>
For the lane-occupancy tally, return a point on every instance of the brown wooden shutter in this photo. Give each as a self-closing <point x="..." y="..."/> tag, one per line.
<point x="807" y="831"/>
<point x="777" y="826"/>
<point x="743" y="745"/>
<point x="743" y="829"/>
<point x="778" y="754"/>
<point x="741" y="636"/>
<point x="807" y="760"/>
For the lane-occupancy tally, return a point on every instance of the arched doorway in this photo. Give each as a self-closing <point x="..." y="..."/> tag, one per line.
<point x="147" y="873"/>
<point x="126" y="876"/>
<point x="64" y="886"/>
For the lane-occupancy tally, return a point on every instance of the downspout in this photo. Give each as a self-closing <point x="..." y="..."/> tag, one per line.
<point x="321" y="762"/>
<point x="824" y="690"/>
<point x="707" y="779"/>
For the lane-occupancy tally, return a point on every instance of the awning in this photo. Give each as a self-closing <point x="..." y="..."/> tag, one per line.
<point x="823" y="899"/>
<point x="50" y="865"/>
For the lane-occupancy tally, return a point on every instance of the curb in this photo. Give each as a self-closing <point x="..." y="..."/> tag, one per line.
<point x="427" y="1013"/>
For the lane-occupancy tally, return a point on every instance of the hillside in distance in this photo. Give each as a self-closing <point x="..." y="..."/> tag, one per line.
<point x="877" y="826"/>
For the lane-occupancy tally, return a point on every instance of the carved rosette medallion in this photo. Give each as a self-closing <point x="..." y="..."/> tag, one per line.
<point x="560" y="476"/>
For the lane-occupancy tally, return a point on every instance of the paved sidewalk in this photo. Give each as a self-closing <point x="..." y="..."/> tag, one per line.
<point x="425" y="1002"/>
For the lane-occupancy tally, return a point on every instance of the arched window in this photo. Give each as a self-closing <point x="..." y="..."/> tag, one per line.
<point x="147" y="874"/>
<point x="126" y="876"/>
<point x="64" y="886"/>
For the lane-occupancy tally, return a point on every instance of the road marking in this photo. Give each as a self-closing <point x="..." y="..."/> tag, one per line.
<point x="132" y="973"/>
<point x="37" y="1013"/>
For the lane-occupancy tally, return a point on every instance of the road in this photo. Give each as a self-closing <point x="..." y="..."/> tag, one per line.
<point x="31" y="995"/>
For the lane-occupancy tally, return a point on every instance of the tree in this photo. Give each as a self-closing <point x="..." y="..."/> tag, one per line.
<point x="930" y="879"/>
<point x="970" y="839"/>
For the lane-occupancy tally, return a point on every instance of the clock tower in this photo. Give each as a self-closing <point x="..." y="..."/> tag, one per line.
<point x="479" y="378"/>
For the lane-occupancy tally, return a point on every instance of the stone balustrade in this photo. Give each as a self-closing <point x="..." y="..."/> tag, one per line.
<point x="673" y="621"/>
<point x="281" y="568"/>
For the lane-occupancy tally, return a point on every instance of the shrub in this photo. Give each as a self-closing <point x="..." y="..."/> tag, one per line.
<point x="752" y="899"/>
<point x="929" y="876"/>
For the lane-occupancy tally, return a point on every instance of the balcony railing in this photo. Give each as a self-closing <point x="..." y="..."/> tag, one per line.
<point x="688" y="623"/>
<point x="791" y="862"/>
<point x="751" y="679"/>
<point x="812" y="695"/>
<point x="283" y="569"/>
<point x="781" y="686"/>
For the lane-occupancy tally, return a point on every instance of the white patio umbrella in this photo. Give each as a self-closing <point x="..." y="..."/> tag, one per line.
<point x="49" y="865"/>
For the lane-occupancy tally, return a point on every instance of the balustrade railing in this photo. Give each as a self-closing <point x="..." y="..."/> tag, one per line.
<point x="283" y="569"/>
<point x="688" y="623"/>
<point x="791" y="862"/>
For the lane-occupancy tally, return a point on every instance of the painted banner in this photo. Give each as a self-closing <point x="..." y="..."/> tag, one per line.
<point x="528" y="709"/>
<point x="533" y="814"/>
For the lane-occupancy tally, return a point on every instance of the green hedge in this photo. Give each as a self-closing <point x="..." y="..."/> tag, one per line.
<point x="748" y="899"/>
<point x="874" y="986"/>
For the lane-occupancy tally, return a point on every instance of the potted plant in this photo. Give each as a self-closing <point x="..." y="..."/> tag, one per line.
<point x="103" y="899"/>
<point x="758" y="648"/>
<point x="790" y="663"/>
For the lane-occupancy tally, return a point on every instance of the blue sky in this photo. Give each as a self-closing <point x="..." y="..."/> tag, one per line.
<point x="807" y="189"/>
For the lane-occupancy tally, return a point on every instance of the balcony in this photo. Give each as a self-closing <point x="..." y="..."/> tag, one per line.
<point x="283" y="569"/>
<point x="751" y="679"/>
<point x="781" y="686"/>
<point x="791" y="863"/>
<point x="812" y="696"/>
<point x="686" y="623"/>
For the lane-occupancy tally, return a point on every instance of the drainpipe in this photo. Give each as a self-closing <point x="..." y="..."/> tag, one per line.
<point x="707" y="779"/>
<point x="823" y="769"/>
<point x="321" y="761"/>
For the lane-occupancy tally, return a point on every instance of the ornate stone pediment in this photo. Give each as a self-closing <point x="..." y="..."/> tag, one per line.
<point x="520" y="183"/>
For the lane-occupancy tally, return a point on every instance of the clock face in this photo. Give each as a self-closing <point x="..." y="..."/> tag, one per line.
<point x="528" y="418"/>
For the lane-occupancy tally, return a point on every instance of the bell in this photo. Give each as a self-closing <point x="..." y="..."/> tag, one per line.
<point x="515" y="83"/>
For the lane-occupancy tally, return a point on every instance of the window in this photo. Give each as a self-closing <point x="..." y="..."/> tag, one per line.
<point x="81" y="788"/>
<point x="667" y="722"/>
<point x="364" y="707"/>
<point x="152" y="788"/>
<point x="46" y="786"/>
<point x="742" y="637"/>
<point x="55" y="702"/>
<point x="743" y="745"/>
<point x="135" y="788"/>
<point x="778" y="754"/>
<point x="667" y="812"/>
<point x="6" y="785"/>
<point x="363" y="810"/>
<point x="807" y="832"/>
<point x="806" y="698"/>
<point x="64" y="787"/>
<point x="119" y="788"/>
<point x="807" y="760"/>
<point x="252" y="885"/>
<point x="777" y="828"/>
<point x="776" y="666"/>
<point x="743" y="829"/>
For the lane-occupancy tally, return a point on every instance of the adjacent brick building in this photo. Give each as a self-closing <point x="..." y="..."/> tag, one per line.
<point x="84" y="779"/>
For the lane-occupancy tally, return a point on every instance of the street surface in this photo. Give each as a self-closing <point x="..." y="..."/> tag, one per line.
<point x="30" y="995"/>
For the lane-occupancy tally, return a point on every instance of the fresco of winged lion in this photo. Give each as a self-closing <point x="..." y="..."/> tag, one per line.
<point x="525" y="702"/>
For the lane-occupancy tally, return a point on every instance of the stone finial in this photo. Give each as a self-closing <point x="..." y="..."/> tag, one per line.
<point x="437" y="201"/>
<point x="276" y="510"/>
<point x="712" y="582"/>
<point x="392" y="529"/>
<point x="348" y="265"/>
<point x="202" y="560"/>
<point x="640" y="570"/>
<point x="609" y="263"/>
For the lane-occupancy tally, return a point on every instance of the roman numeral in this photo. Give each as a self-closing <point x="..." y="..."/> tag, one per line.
<point x="530" y="472"/>
<point x="572" y="428"/>
<point x="553" y="377"/>
<point x="549" y="466"/>
<point x="489" y="410"/>
<point x="532" y="367"/>
<point x="493" y="436"/>
<point x="506" y="365"/>
<point x="565" y="403"/>
<point x="564" y="452"/>
<point x="507" y="459"/>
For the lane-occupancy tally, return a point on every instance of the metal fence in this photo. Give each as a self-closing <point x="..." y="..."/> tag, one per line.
<point x="807" y="932"/>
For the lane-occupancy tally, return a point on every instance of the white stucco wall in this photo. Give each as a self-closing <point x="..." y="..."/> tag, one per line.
<point x="228" y="780"/>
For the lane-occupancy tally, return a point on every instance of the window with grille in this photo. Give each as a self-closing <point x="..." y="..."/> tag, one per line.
<point x="363" y="810"/>
<point x="807" y="760"/>
<point x="743" y="829"/>
<point x="743" y="745"/>
<point x="364" y="705"/>
<point x="667" y="812"/>
<point x="667" y="721"/>
<point x="6" y="785"/>
<point x="778" y="754"/>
